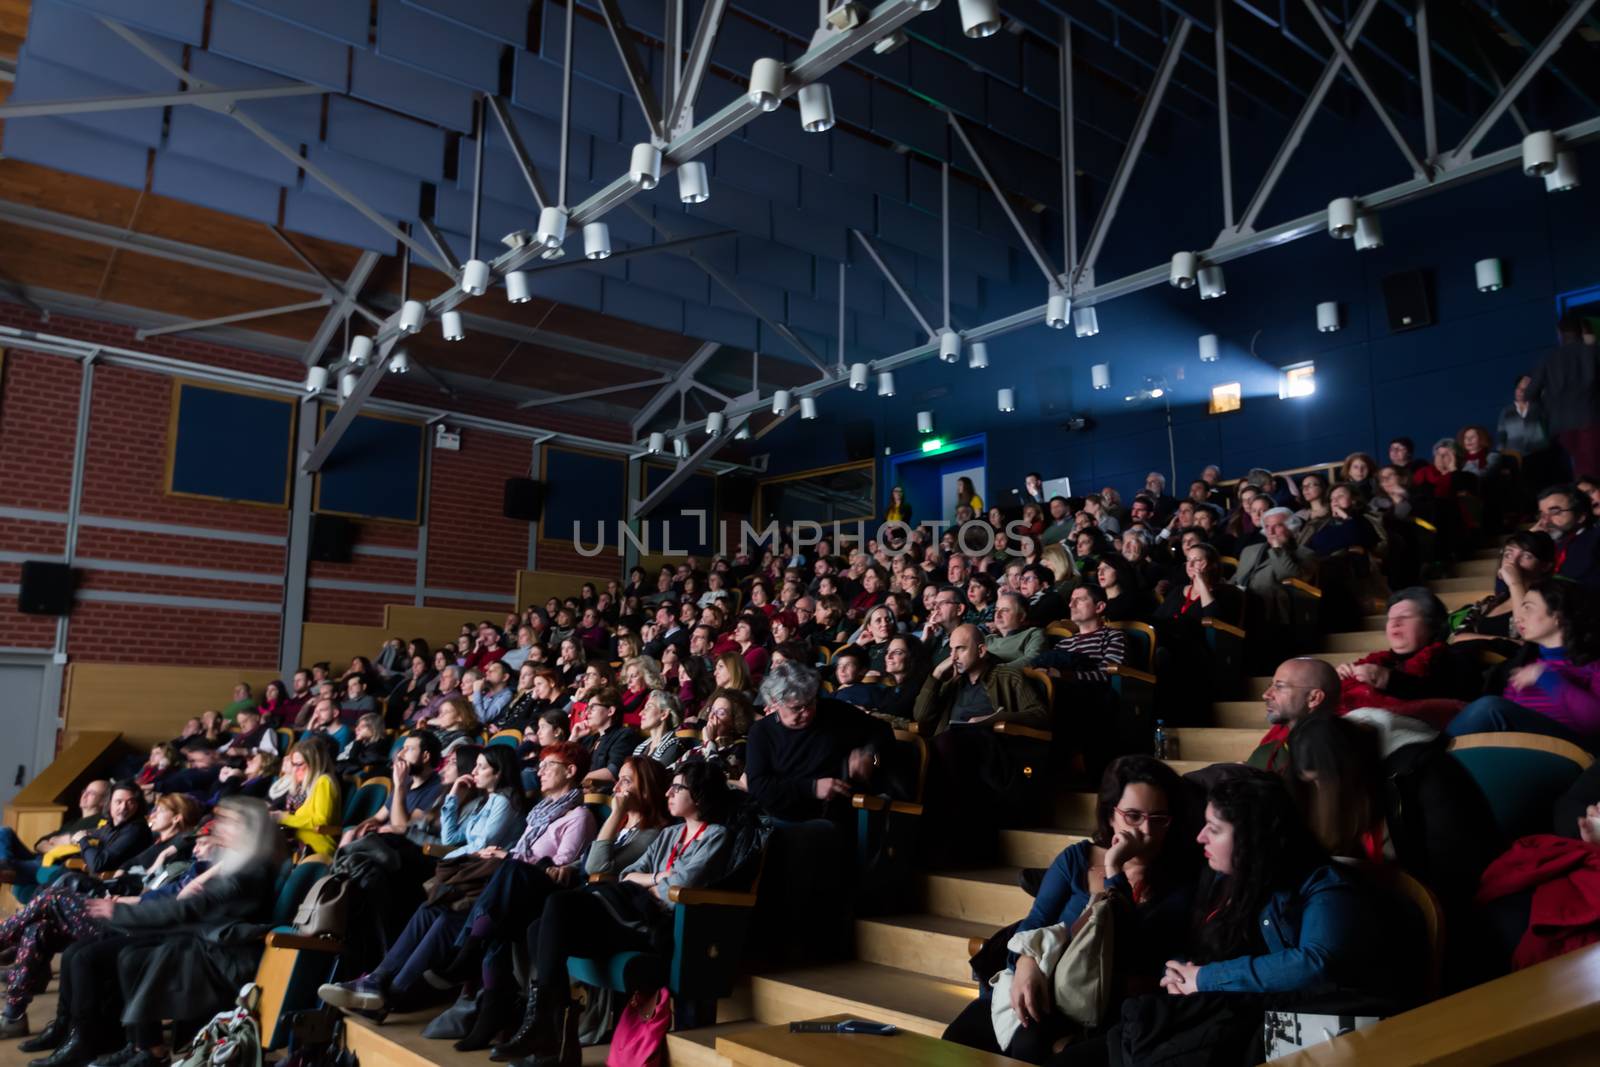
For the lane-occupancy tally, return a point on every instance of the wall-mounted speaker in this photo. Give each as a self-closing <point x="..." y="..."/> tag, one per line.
<point x="332" y="538"/>
<point x="1406" y="300"/>
<point x="524" y="499"/>
<point x="46" y="588"/>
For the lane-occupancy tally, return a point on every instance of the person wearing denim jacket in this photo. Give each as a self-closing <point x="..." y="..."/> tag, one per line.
<point x="1314" y="936"/>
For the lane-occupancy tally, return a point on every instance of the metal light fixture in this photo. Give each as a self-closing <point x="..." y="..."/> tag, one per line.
<point x="1085" y="322"/>
<point x="1056" y="309"/>
<point x="399" y="363"/>
<point x="1565" y="177"/>
<point x="979" y="18"/>
<point x="780" y="402"/>
<point x="808" y="407"/>
<point x="658" y="443"/>
<point x="596" y="240"/>
<point x="450" y="325"/>
<point x="886" y="383"/>
<point x="360" y="350"/>
<point x="1490" y="277"/>
<point x="1208" y="348"/>
<point x="1100" y="375"/>
<point x="1342" y="217"/>
<point x="412" y="312"/>
<point x="848" y="16"/>
<point x="1369" y="233"/>
<point x="552" y="226"/>
<point x="475" y="277"/>
<point x="816" y="108"/>
<point x="316" y="379"/>
<point x="553" y="253"/>
<point x="858" y="377"/>
<point x="714" y="424"/>
<point x="1212" y="283"/>
<point x="680" y="447"/>
<point x="347" y="384"/>
<point x="889" y="42"/>
<point x="924" y="422"/>
<point x="1006" y="401"/>
<point x="517" y="287"/>
<point x="1539" y="153"/>
<point x="766" y="84"/>
<point x="644" y="167"/>
<point x="742" y="433"/>
<point x="1328" y="316"/>
<point x="978" y="355"/>
<point x="949" y="346"/>
<point x="1184" y="265"/>
<point x="694" y="187"/>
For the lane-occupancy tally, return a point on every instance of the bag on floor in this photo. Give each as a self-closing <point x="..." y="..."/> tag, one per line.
<point x="597" y="1015"/>
<point x="456" y="1020"/>
<point x="640" y="1039"/>
<point x="230" y="1038"/>
<point x="1290" y="1031"/>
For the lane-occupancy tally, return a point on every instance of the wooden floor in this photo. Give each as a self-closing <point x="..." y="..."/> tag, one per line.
<point x="40" y="1012"/>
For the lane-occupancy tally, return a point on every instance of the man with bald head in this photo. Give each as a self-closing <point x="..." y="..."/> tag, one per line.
<point x="1300" y="687"/>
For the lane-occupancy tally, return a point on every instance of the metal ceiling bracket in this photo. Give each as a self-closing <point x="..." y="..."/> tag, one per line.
<point x="1343" y="51"/>
<point x="228" y="320"/>
<point x="681" y="113"/>
<point x="519" y="152"/>
<point x="336" y="316"/>
<point x="1005" y="204"/>
<point x="894" y="283"/>
<point x="197" y="97"/>
<point x="643" y="91"/>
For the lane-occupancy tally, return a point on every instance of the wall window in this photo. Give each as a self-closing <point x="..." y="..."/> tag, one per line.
<point x="1298" y="379"/>
<point x="1228" y="396"/>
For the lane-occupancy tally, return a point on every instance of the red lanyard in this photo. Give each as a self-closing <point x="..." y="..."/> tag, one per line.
<point x="677" y="850"/>
<point x="1183" y="609"/>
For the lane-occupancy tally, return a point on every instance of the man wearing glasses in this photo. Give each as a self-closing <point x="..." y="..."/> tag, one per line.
<point x="1564" y="516"/>
<point x="948" y="608"/>
<point x="1299" y="688"/>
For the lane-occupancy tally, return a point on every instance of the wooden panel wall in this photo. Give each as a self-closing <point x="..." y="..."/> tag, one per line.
<point x="337" y="643"/>
<point x="148" y="703"/>
<point x="437" y="625"/>
<point x="535" y="587"/>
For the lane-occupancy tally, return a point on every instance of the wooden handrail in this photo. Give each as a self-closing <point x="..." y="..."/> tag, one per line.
<point x="1011" y="729"/>
<point x="1509" y="739"/>
<point x="683" y="894"/>
<point x="1304" y="587"/>
<point x="73" y="763"/>
<point x="1225" y="627"/>
<point x="1122" y="670"/>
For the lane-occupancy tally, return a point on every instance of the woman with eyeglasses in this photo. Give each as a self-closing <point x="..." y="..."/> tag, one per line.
<point x="1140" y="856"/>
<point x="313" y="804"/>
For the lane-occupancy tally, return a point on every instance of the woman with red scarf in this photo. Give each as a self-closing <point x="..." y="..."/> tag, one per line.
<point x="1418" y="674"/>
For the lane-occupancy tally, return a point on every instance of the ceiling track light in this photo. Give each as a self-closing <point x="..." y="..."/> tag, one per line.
<point x="1565" y="177"/>
<point x="347" y="384"/>
<point x="1212" y="283"/>
<point x="412" y="314"/>
<point x="714" y="424"/>
<point x="450" y="325"/>
<point x="889" y="42"/>
<point x="1328" y="317"/>
<point x="858" y="377"/>
<point x="781" y="401"/>
<point x="316" y="379"/>
<point x="517" y="287"/>
<point x="552" y="227"/>
<point x="742" y="433"/>
<point x="949" y="346"/>
<point x="1491" y="279"/>
<point x="360" y="351"/>
<point x="658" y="443"/>
<point x="924" y="422"/>
<point x="644" y="166"/>
<point x="816" y="108"/>
<point x="1539" y="152"/>
<point x="766" y="83"/>
<point x="694" y="187"/>
<point x="1085" y="322"/>
<point x="1369" y="233"/>
<point x="848" y="16"/>
<point x="1209" y="352"/>
<point x="680" y="447"/>
<point x="979" y="18"/>
<point x="475" y="277"/>
<point x="1006" y="401"/>
<point x="1100" y="375"/>
<point x="1056" y="309"/>
<point x="1184" y="265"/>
<point x="886" y="383"/>
<point x="596" y="240"/>
<point x="399" y="363"/>
<point x="808" y="407"/>
<point x="977" y="355"/>
<point x="1342" y="218"/>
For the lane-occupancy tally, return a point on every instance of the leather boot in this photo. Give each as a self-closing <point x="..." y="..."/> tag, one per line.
<point x="494" y="1015"/>
<point x="51" y="1037"/>
<point x="567" y="1053"/>
<point x="539" y="1034"/>
<point x="75" y="1050"/>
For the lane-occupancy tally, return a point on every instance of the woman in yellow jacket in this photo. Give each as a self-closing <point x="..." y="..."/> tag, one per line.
<point x="313" y="798"/>
<point x="967" y="496"/>
<point x="899" y="508"/>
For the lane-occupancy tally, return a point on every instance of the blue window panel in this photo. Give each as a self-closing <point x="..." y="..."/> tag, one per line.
<point x="396" y="196"/>
<point x="642" y="306"/>
<point x="736" y="209"/>
<point x="181" y="20"/>
<point x="536" y="85"/>
<point x="949" y="81"/>
<point x="578" y="288"/>
<point x="452" y="210"/>
<point x="418" y="39"/>
<point x="343" y="20"/>
<point x="927" y="190"/>
<point x="385" y="138"/>
<point x="227" y="146"/>
<point x="668" y="273"/>
<point x="774" y="265"/>
<point x="251" y="37"/>
<point x="333" y="220"/>
<point x="767" y="299"/>
<point x="756" y="171"/>
<point x="818" y="234"/>
<point x="40" y="79"/>
<point x="716" y="324"/>
<point x="76" y="150"/>
<point x="298" y="118"/>
<point x="909" y="121"/>
<point x="74" y="38"/>
<point x="505" y="20"/>
<point x="883" y="338"/>
<point x="781" y="134"/>
<point x="908" y="228"/>
<point x="211" y="186"/>
<point x="870" y="166"/>
<point x="394" y="85"/>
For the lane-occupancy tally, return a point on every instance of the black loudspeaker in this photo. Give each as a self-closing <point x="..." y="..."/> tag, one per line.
<point x="524" y="499"/>
<point x="331" y="538"/>
<point x="1405" y="298"/>
<point x="858" y="439"/>
<point x="46" y="588"/>
<point x="738" y="493"/>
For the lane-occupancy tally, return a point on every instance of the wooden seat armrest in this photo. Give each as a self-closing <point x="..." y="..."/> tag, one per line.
<point x="597" y="798"/>
<point x="1425" y="525"/>
<point x="74" y="863"/>
<point x="1011" y="729"/>
<point x="920" y="729"/>
<point x="974" y="946"/>
<point x="682" y="894"/>
<point x="302" y="943"/>
<point x="437" y="851"/>
<point x="1304" y="587"/>
<point x="1122" y="670"/>
<point x="1225" y="627"/>
<point x="905" y="807"/>
<point x="872" y="802"/>
<point x="596" y="879"/>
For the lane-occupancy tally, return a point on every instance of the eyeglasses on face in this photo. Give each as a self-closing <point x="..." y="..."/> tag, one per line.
<point x="676" y="787"/>
<point x="1135" y="817"/>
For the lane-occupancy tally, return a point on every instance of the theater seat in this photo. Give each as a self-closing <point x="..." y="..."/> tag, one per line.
<point x="1521" y="775"/>
<point x="369" y="798"/>
<point x="292" y="966"/>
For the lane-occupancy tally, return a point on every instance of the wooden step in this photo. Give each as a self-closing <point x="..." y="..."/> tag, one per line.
<point x="927" y="944"/>
<point x="1337" y="658"/>
<point x="1184" y="766"/>
<point x="1356" y="641"/>
<point x="1214" y="744"/>
<point x="911" y="1001"/>
<point x="779" y="1046"/>
<point x="1037" y="848"/>
<point x="697" y="1048"/>
<point x="1256" y="687"/>
<point x="398" y="1042"/>
<point x="1479" y="568"/>
<point x="1479" y="587"/>
<point x="990" y="895"/>
<point x="1074" y="811"/>
<point x="1374" y="622"/>
<point x="1456" y="599"/>
<point x="1239" y="714"/>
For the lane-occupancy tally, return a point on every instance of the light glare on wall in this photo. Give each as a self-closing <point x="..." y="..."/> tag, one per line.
<point x="1229" y="396"/>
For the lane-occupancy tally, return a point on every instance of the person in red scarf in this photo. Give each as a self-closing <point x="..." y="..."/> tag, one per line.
<point x="1418" y="674"/>
<point x="1299" y="688"/>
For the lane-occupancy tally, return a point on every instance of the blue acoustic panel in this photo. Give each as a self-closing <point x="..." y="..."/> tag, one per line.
<point x="775" y="265"/>
<point x="506" y="20"/>
<point x="298" y="118"/>
<point x="343" y="20"/>
<point x="906" y="120"/>
<point x="395" y="196"/>
<point x="781" y="134"/>
<point x="715" y="324"/>
<point x="641" y="306"/>
<point x="948" y="81"/>
<point x="65" y="146"/>
<point x="815" y="315"/>
<point x="40" y="79"/>
<point x="852" y="94"/>
<point x="864" y="291"/>
<point x="410" y="91"/>
<point x="230" y="444"/>
<point x="736" y="209"/>
<point x="181" y="20"/>
<point x="385" y="138"/>
<point x="594" y="56"/>
<point x="767" y="299"/>
<point x="963" y="283"/>
<point x="870" y="166"/>
<point x="570" y="285"/>
<point x="847" y="205"/>
<point x="318" y="216"/>
<point x="414" y="37"/>
<point x="1022" y="118"/>
<point x="908" y="228"/>
<point x="251" y="37"/>
<point x="208" y="185"/>
<point x="681" y="516"/>
<point x="536" y="85"/>
<point x="452" y="210"/>
<point x="375" y="471"/>
<point x="667" y="273"/>
<point x="776" y="344"/>
<point x="74" y="38"/>
<point x="819" y="234"/>
<point x="226" y="146"/>
<point x="579" y="487"/>
<point x="503" y="179"/>
<point x="885" y="338"/>
<point x="741" y="42"/>
<point x="927" y="190"/>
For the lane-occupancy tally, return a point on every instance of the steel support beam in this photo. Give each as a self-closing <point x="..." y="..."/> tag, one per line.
<point x="342" y="310"/>
<point x="639" y="509"/>
<point x="1226" y="149"/>
<point x="1069" y="154"/>
<point x="643" y="91"/>
<point x="1519" y="82"/>
<point x="677" y="244"/>
<point x="298" y="554"/>
<point x="676" y="385"/>
<point x="1302" y="121"/>
<point x="1028" y="241"/>
<point x="566" y="105"/>
<point x="334" y="290"/>
<point x="894" y="283"/>
<point x="1430" y="120"/>
<point x="1343" y="51"/>
<point x="705" y="35"/>
<point x="228" y="320"/>
<point x="626" y="387"/>
<point x="452" y="261"/>
<point x="197" y="97"/>
<point x="519" y="152"/>
<point x="1130" y="154"/>
<point x="350" y="407"/>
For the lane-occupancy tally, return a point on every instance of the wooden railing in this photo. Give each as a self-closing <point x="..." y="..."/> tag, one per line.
<point x="38" y="808"/>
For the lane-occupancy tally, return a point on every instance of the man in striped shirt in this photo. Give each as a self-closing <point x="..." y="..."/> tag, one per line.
<point x="1084" y="656"/>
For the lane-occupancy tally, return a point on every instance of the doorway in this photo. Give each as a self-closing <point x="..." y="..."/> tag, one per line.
<point x="23" y="685"/>
<point x="929" y="478"/>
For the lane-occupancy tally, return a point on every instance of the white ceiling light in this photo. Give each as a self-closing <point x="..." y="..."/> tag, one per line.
<point x="1490" y="277"/>
<point x="347" y="384"/>
<point x="450" y="326"/>
<point x="644" y="168"/>
<point x="1369" y="233"/>
<point x="1565" y="177"/>
<point x="517" y="287"/>
<point x="1085" y="322"/>
<point x="596" y="240"/>
<point x="680" y="447"/>
<point x="808" y="407"/>
<point x="399" y="363"/>
<point x="1208" y="348"/>
<point x="475" y="277"/>
<point x="714" y="423"/>
<point x="1056" y="309"/>
<point x="658" y="443"/>
<point x="1212" y="283"/>
<point x="1342" y="217"/>
<point x="949" y="346"/>
<point x="694" y="187"/>
<point x="979" y="18"/>
<point x="1328" y="316"/>
<point x="412" y="312"/>
<point x="742" y="433"/>
<point x="1539" y="153"/>
<point x="552" y="226"/>
<point x="780" y="402"/>
<point x="889" y="42"/>
<point x="848" y="16"/>
<point x="886" y="383"/>
<point x="1184" y="265"/>
<point x="766" y="84"/>
<point x="858" y="377"/>
<point x="1100" y="375"/>
<point x="924" y="422"/>
<point x="1006" y="401"/>
<point x="978" y="355"/>
<point x="316" y="379"/>
<point x="816" y="108"/>
<point x="360" y="350"/>
<point x="553" y="253"/>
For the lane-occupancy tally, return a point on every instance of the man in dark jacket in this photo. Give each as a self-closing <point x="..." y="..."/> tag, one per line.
<point x="1564" y="514"/>
<point x="1567" y="383"/>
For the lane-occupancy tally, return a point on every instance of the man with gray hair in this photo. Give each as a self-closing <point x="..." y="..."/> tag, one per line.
<point x="1263" y="568"/>
<point x="1013" y="639"/>
<point x="808" y="754"/>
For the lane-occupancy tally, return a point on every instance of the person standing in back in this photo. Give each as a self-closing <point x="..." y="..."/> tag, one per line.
<point x="1567" y="383"/>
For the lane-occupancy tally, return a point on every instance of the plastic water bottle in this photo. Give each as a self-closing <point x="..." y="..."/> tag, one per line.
<point x="1164" y="744"/>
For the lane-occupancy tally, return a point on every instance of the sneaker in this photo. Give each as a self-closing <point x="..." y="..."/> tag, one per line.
<point x="362" y="994"/>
